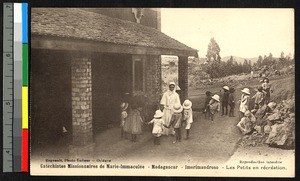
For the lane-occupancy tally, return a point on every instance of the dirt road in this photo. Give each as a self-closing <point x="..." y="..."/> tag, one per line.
<point x="209" y="142"/>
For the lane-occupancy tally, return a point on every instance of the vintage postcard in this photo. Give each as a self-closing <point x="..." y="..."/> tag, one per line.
<point x="162" y="92"/>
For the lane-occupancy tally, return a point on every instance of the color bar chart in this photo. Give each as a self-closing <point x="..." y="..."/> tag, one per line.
<point x="15" y="87"/>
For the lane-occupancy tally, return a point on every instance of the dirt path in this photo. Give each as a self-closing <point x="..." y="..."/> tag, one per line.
<point x="209" y="142"/>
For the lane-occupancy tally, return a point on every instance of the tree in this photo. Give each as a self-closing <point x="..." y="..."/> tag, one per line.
<point x="213" y="67"/>
<point x="213" y="51"/>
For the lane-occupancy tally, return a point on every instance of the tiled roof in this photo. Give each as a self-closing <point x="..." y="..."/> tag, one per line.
<point x="81" y="24"/>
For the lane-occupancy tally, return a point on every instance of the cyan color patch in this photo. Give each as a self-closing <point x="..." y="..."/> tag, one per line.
<point x="24" y="23"/>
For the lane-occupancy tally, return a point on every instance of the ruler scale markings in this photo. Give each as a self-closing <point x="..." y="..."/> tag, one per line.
<point x="7" y="91"/>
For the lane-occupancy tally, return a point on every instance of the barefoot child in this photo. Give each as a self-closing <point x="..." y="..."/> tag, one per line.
<point x="134" y="119"/>
<point x="214" y="106"/>
<point x="176" y="121"/>
<point x="259" y="98"/>
<point x="225" y="100"/>
<point x="187" y="116"/>
<point x="124" y="114"/>
<point x="157" y="126"/>
<point x="206" y="104"/>
<point x="231" y="102"/>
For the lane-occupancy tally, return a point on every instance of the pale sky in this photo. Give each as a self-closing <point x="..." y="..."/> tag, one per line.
<point x="245" y="33"/>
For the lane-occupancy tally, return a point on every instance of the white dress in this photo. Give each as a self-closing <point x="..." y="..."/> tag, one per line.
<point x="168" y="99"/>
<point x="188" y="117"/>
<point x="244" y="106"/>
<point x="157" y="126"/>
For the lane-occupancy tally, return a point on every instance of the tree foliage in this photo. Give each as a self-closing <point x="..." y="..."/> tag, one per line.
<point x="215" y="68"/>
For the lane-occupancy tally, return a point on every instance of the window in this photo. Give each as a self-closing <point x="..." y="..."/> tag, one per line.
<point x="138" y="67"/>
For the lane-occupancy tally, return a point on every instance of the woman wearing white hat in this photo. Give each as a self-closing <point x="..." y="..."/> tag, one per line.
<point x="214" y="106"/>
<point x="245" y="99"/>
<point x="187" y="116"/>
<point x="169" y="98"/>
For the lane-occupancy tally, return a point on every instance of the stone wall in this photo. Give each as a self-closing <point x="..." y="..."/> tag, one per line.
<point x="81" y="102"/>
<point x="183" y="77"/>
<point x="153" y="78"/>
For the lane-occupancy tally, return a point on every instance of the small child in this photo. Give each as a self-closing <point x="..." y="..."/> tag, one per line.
<point x="187" y="116"/>
<point x="176" y="121"/>
<point x="267" y="90"/>
<point x="157" y="126"/>
<point x="206" y="104"/>
<point x="124" y="114"/>
<point x="259" y="98"/>
<point x="214" y="106"/>
<point x="246" y="125"/>
<point x="135" y="121"/>
<point x="225" y="97"/>
<point x="231" y="102"/>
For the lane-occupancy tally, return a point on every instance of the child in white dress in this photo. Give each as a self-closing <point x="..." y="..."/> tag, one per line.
<point x="157" y="126"/>
<point x="187" y="116"/>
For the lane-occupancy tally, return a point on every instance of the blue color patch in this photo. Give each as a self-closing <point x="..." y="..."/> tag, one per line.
<point x="24" y="23"/>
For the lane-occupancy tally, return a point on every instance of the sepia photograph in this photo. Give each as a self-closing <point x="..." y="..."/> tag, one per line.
<point x="199" y="92"/>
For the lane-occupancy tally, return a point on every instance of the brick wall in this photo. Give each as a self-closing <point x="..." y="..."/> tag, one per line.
<point x="81" y="101"/>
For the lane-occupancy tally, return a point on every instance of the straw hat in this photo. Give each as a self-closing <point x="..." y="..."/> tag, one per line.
<point x="246" y="91"/>
<point x="272" y="105"/>
<point x="226" y="87"/>
<point x="216" y="97"/>
<point x="158" y="114"/>
<point x="247" y="113"/>
<point x="177" y="108"/>
<point x="187" y="104"/>
<point x="172" y="83"/>
<point x="124" y="105"/>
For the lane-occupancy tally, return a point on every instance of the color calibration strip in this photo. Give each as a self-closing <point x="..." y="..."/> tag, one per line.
<point x="25" y="136"/>
<point x="15" y="87"/>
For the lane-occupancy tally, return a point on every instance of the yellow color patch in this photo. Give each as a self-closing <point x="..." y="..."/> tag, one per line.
<point x="24" y="107"/>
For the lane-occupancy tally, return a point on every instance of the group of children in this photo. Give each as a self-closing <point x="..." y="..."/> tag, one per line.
<point x="213" y="103"/>
<point x="131" y="121"/>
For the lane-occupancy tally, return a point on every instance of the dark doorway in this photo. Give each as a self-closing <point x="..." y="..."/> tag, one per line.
<point x="50" y="97"/>
<point x="112" y="78"/>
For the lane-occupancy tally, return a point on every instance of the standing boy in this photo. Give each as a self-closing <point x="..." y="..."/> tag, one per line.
<point x="231" y="102"/>
<point x="214" y="106"/>
<point x="225" y="100"/>
<point x="176" y="121"/>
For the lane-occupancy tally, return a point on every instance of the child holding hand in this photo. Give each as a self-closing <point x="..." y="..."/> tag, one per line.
<point x="157" y="122"/>
<point x="176" y="121"/>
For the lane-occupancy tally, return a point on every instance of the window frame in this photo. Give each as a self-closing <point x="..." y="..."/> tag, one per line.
<point x="138" y="58"/>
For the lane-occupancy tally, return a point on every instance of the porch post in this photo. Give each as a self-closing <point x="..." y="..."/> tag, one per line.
<point x="183" y="77"/>
<point x="82" y="106"/>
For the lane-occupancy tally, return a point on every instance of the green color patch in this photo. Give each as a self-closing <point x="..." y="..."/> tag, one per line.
<point x="25" y="64"/>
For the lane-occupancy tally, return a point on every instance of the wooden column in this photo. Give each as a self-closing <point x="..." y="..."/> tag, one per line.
<point x="183" y="77"/>
<point x="82" y="106"/>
